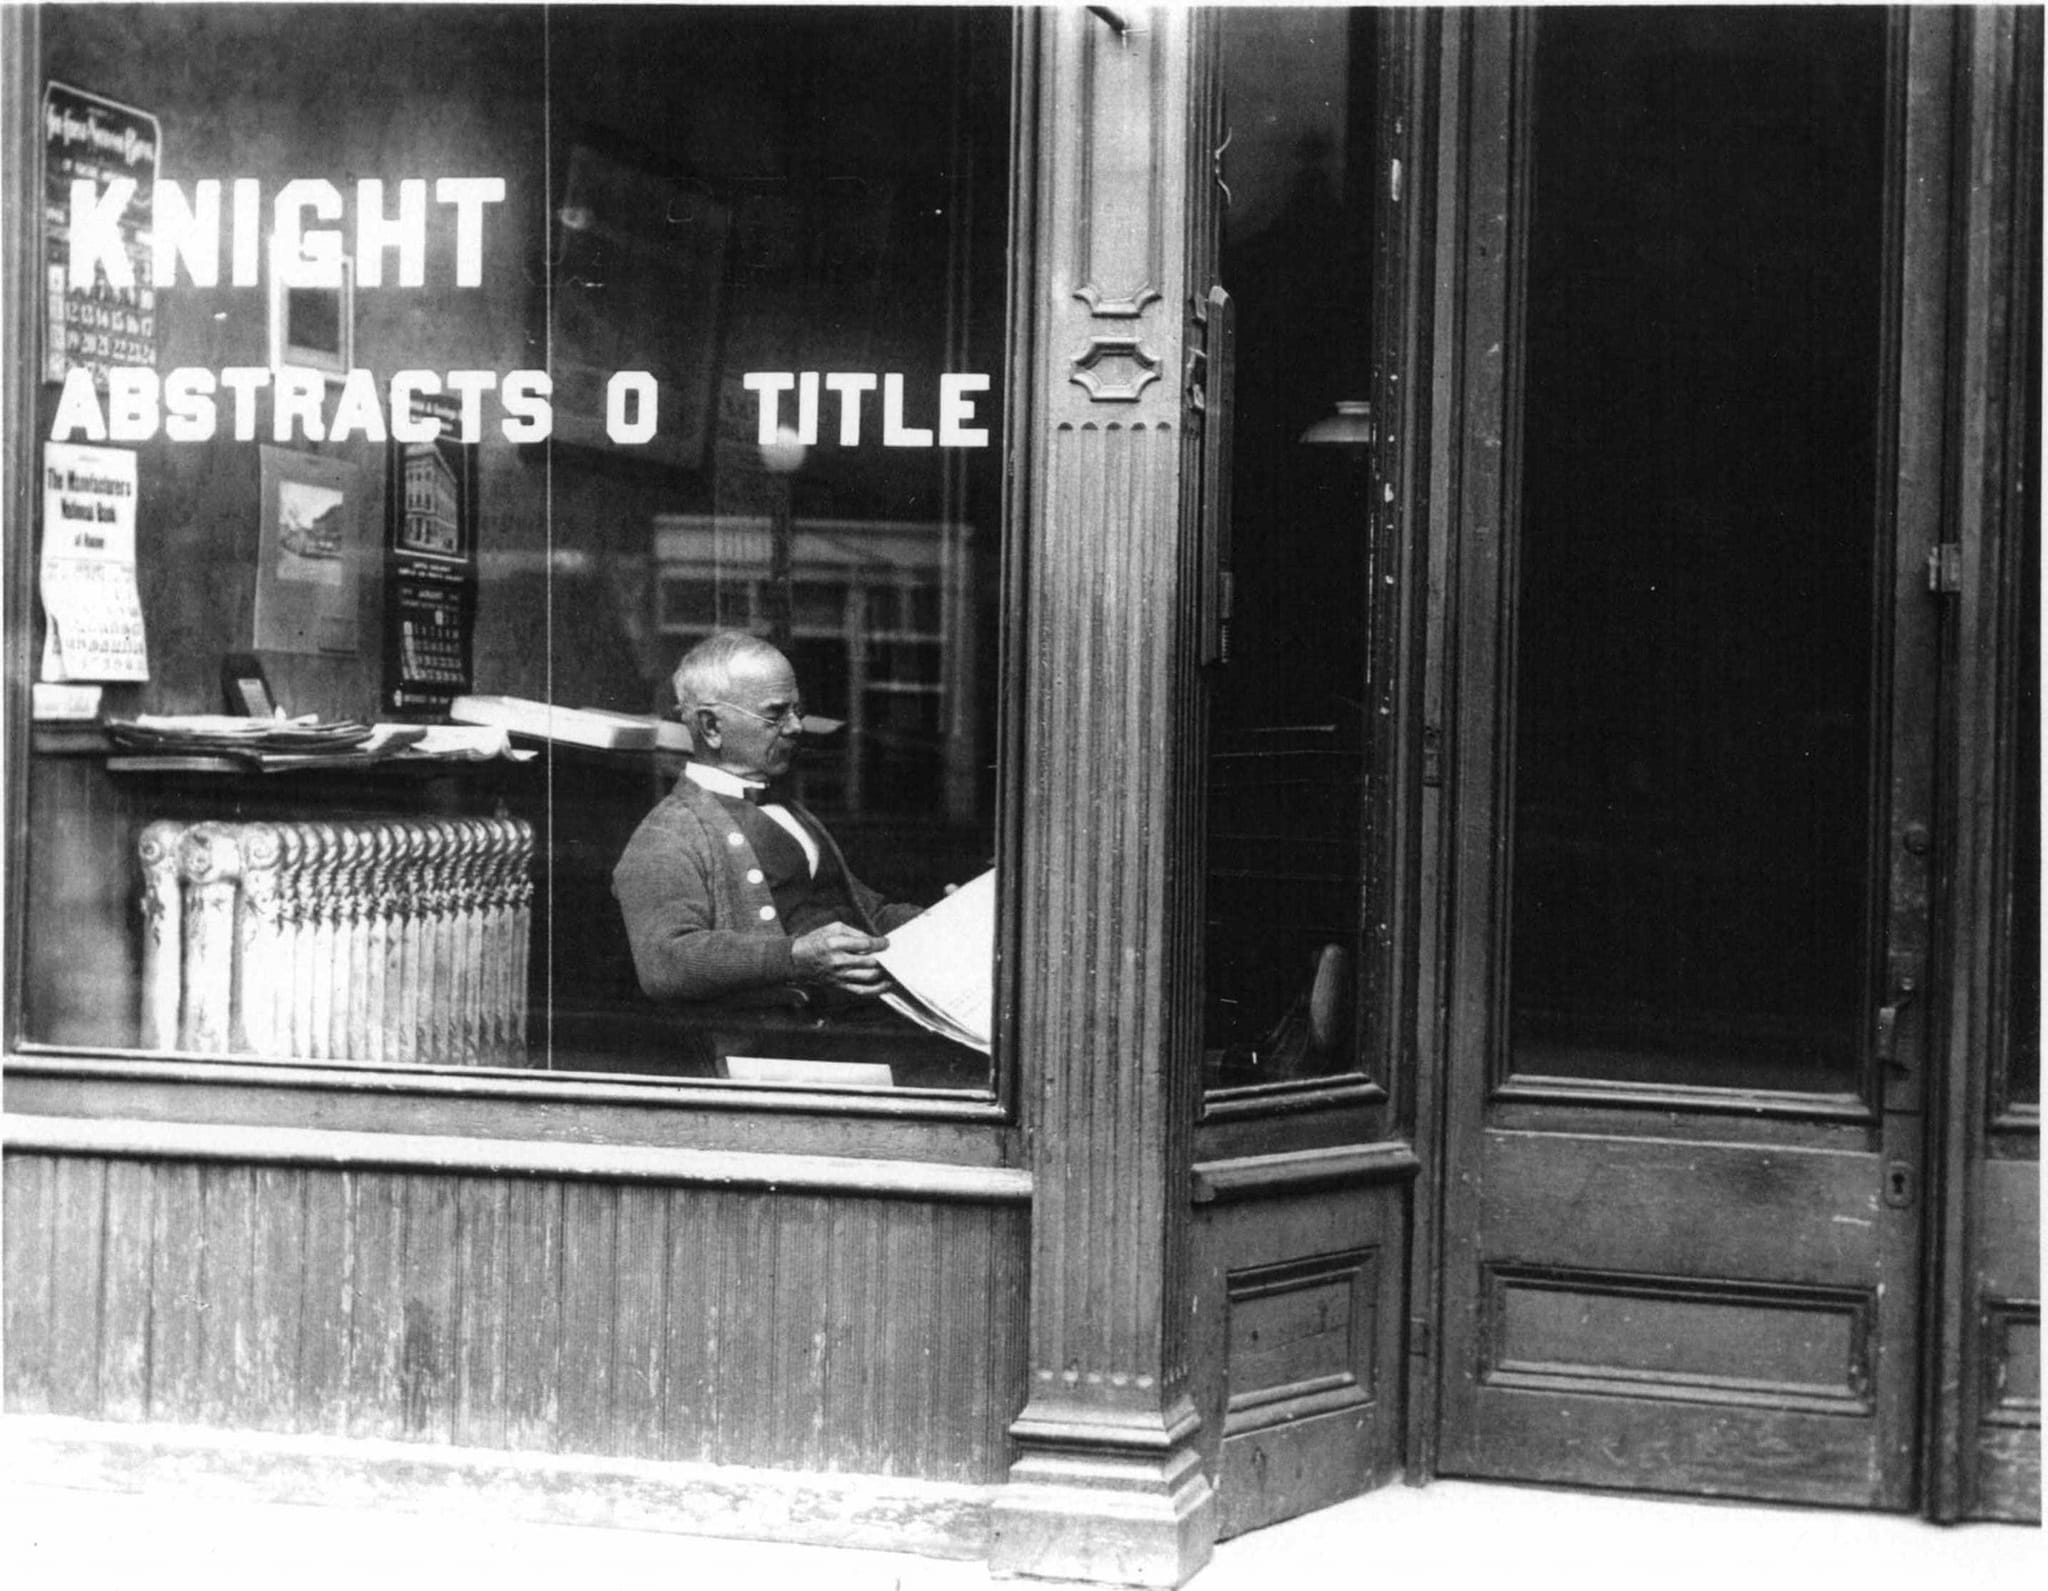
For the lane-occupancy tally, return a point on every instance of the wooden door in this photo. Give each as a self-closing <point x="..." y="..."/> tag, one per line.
<point x="1697" y="424"/>
<point x="1984" y="1441"/>
<point x="1300" y="1175"/>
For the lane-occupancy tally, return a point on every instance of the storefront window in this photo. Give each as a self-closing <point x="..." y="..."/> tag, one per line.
<point x="708" y="307"/>
<point x="1289" y="722"/>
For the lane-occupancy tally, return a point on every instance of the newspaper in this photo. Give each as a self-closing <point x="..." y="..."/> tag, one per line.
<point x="943" y="962"/>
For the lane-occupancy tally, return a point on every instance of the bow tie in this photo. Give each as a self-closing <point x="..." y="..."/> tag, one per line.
<point x="763" y="795"/>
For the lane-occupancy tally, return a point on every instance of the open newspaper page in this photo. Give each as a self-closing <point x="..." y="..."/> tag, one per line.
<point x="944" y="965"/>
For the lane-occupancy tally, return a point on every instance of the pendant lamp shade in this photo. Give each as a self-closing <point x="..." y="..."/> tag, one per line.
<point x="1350" y="426"/>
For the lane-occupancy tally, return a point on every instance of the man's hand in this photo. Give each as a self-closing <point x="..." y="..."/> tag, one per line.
<point x="841" y="956"/>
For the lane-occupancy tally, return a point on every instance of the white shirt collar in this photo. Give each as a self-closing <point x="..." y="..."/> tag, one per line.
<point x="719" y="782"/>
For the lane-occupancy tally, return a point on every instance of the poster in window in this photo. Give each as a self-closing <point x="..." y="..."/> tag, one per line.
<point x="96" y="325"/>
<point x="309" y="556"/>
<point x="430" y="563"/>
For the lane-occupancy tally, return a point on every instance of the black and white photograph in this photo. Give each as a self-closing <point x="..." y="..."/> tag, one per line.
<point x="1106" y="795"/>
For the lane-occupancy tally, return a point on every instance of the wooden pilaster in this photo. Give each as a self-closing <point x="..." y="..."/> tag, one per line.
<point x="1108" y="1485"/>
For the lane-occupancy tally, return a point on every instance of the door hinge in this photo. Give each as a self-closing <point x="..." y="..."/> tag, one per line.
<point x="1118" y="23"/>
<point x="1432" y="757"/>
<point x="1945" y="568"/>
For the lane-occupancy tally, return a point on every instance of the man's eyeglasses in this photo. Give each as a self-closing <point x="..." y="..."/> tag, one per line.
<point x="794" y="713"/>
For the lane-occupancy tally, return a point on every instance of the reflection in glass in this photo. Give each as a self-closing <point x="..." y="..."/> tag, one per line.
<point x="863" y="158"/>
<point x="2023" y="980"/>
<point x="1287" y="730"/>
<point x="698" y="193"/>
<point x="1695" y="617"/>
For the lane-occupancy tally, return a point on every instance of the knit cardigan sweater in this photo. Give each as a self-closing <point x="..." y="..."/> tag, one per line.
<point x="699" y="914"/>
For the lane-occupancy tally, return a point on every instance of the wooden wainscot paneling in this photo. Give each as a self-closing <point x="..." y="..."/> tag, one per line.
<point x="2004" y="1369"/>
<point x="1576" y="1361"/>
<point x="358" y="1314"/>
<point x="2009" y="1427"/>
<point x="1298" y="1264"/>
<point x="1605" y="1181"/>
<point x="1773" y="1347"/>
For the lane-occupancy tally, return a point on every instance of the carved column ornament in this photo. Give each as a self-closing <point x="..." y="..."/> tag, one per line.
<point x="1118" y="250"/>
<point x="1108" y="1485"/>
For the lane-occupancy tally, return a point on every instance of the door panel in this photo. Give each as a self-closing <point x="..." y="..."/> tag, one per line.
<point x="1695" y="674"/>
<point x="1300" y="1215"/>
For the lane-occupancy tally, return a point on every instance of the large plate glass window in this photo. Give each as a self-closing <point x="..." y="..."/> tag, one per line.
<point x="763" y="258"/>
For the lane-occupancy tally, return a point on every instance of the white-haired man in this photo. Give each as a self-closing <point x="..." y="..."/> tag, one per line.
<point x="731" y="891"/>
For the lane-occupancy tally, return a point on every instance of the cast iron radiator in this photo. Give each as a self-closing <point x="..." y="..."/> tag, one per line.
<point x="374" y="939"/>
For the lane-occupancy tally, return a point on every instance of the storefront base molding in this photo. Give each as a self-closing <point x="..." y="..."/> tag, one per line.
<point x="1135" y="1520"/>
<point x="879" y="1513"/>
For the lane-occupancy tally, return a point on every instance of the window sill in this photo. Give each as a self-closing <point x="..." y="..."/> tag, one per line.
<point x="499" y="1108"/>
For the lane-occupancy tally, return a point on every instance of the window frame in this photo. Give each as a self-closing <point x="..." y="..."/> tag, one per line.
<point x="969" y="1127"/>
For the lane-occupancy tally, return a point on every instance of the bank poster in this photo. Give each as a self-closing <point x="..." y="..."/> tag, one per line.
<point x="98" y="325"/>
<point x="88" y="566"/>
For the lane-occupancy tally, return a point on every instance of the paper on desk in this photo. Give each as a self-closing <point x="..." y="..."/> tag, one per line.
<point x="944" y="962"/>
<point x="452" y="742"/>
<point x="88" y="566"/>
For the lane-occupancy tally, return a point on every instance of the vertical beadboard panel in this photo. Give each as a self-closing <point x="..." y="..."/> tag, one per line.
<point x="1007" y="1363"/>
<point x="963" y="1338"/>
<point x="124" y="1307"/>
<point x="899" y="1330"/>
<point x="430" y="1308"/>
<point x="377" y="1311"/>
<point x="802" y="1295"/>
<point x="748" y="1266"/>
<point x="640" y="1323"/>
<point x="690" y="1337"/>
<point x="30" y="1235"/>
<point x="176" y="1300"/>
<point x="817" y="1332"/>
<point x="589" y="1264"/>
<point x="852" y="1408"/>
<point x="74" y="1351"/>
<point x="227" y="1322"/>
<point x="911" y="1280"/>
<point x="326" y="1301"/>
<point x="480" y="1271"/>
<point x="270" y="1401"/>
<point x="533" y="1313"/>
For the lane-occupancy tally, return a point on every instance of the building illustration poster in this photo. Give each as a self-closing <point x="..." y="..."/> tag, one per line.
<point x="430" y="565"/>
<point x="309" y="562"/>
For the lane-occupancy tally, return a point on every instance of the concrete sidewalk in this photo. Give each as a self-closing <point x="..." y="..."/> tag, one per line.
<point x="1451" y="1535"/>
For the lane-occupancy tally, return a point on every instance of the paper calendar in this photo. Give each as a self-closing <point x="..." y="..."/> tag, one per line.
<point x="88" y="567"/>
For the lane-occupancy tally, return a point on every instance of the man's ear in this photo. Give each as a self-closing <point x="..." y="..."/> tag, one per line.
<point x="705" y="730"/>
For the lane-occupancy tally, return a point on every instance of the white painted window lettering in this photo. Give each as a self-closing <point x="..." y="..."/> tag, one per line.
<point x="631" y="407"/>
<point x="954" y="408"/>
<point x="308" y="221"/>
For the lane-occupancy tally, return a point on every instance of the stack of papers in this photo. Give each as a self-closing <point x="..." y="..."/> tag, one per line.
<point x="276" y="744"/>
<point x="201" y="734"/>
<point x="448" y="742"/>
<point x="944" y="964"/>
